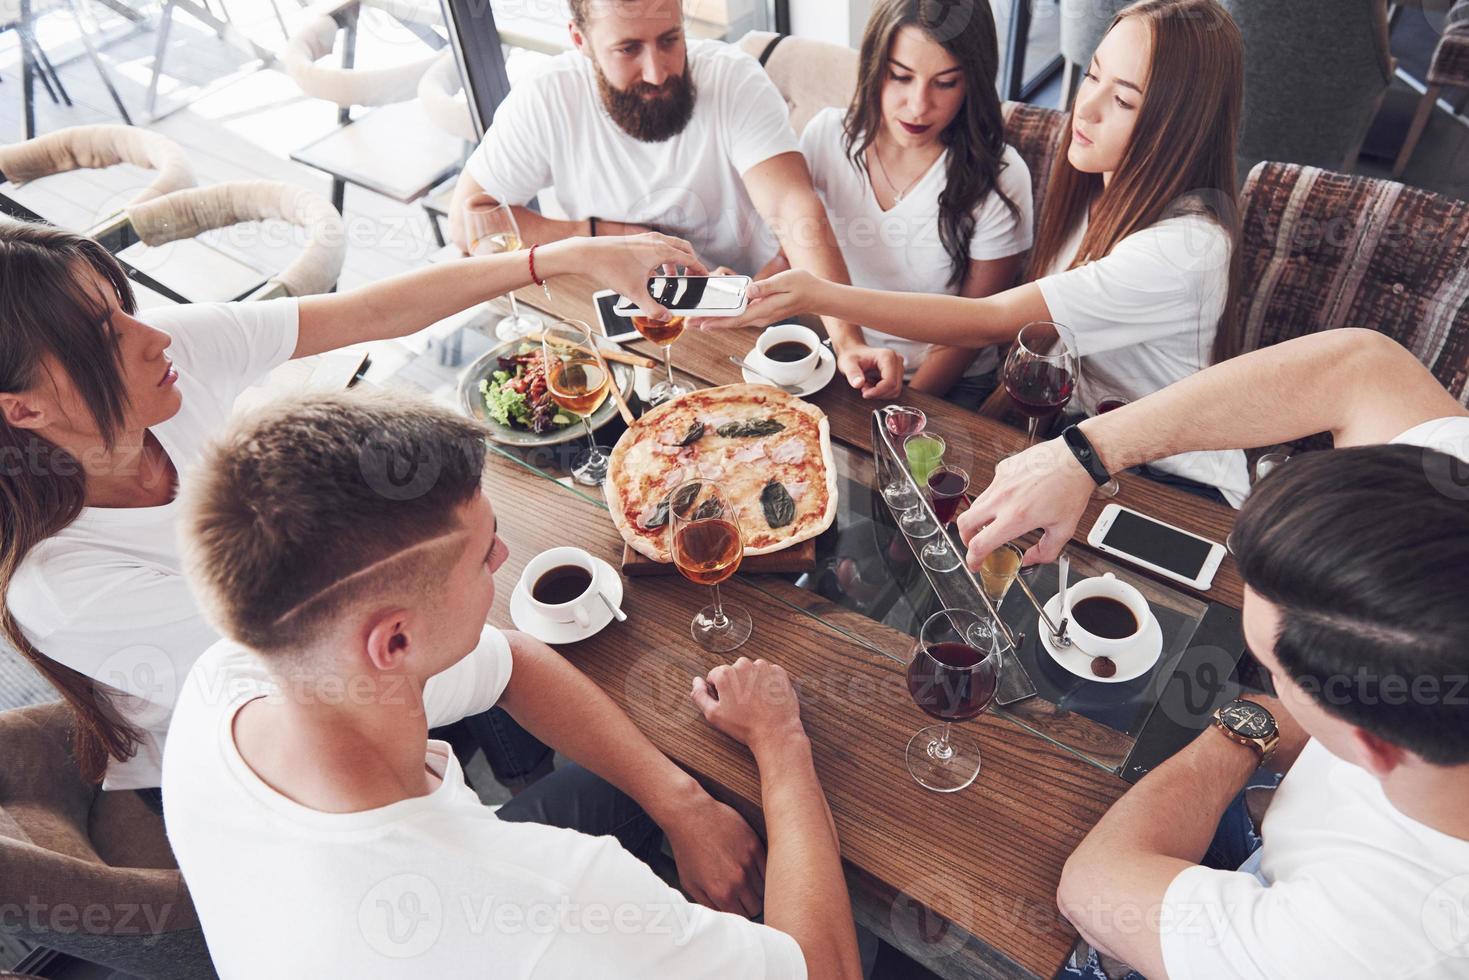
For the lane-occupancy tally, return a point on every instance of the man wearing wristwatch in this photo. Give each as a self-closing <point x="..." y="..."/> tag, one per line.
<point x="1354" y="564"/>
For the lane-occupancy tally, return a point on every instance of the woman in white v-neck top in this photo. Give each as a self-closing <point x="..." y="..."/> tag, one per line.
<point x="1134" y="252"/>
<point x="919" y="186"/>
<point x="103" y="412"/>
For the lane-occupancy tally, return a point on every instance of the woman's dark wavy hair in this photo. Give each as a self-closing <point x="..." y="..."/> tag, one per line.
<point x="975" y="138"/>
<point x="47" y="309"/>
<point x="1364" y="552"/>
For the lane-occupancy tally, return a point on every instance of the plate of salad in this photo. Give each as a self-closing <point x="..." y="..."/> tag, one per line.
<point x="505" y="388"/>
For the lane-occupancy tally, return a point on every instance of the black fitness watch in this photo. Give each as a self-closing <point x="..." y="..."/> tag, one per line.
<point x="1081" y="448"/>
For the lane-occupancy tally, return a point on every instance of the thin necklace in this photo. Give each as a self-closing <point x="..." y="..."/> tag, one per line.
<point x="899" y="194"/>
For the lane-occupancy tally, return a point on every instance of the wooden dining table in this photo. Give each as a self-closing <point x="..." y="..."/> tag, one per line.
<point x="963" y="882"/>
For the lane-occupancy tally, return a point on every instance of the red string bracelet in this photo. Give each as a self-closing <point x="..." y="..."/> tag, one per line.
<point x="531" y="259"/>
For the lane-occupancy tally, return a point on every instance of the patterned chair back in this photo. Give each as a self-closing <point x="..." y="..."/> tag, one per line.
<point x="1322" y="250"/>
<point x="1035" y="132"/>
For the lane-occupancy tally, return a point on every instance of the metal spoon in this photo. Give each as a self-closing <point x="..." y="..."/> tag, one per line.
<point x="788" y="389"/>
<point x="1063" y="562"/>
<point x="617" y="613"/>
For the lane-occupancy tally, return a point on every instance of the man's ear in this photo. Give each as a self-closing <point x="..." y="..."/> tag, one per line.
<point x="578" y="39"/>
<point x="1379" y="757"/>
<point x="389" y="640"/>
<point x="20" y="411"/>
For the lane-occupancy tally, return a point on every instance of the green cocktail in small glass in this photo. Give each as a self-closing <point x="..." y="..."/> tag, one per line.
<point x="924" y="452"/>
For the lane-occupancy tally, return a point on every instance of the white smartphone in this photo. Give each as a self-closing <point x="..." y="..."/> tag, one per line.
<point x="615" y="328"/>
<point x="1156" y="546"/>
<point x="695" y="295"/>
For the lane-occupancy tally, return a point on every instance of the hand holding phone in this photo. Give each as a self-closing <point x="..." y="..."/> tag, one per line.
<point x="703" y="296"/>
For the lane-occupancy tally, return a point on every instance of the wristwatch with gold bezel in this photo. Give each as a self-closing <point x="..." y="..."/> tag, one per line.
<point x="1249" y="724"/>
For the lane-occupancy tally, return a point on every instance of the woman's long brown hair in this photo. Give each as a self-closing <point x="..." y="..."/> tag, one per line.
<point x="1182" y="153"/>
<point x="46" y="308"/>
<point x="975" y="138"/>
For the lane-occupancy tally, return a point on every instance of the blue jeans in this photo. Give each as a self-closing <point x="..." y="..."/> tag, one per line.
<point x="512" y="752"/>
<point x="577" y="799"/>
<point x="1234" y="841"/>
<point x="971" y="391"/>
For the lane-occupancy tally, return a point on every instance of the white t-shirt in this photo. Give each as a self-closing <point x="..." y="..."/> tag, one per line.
<point x="434" y="886"/>
<point x="106" y="596"/>
<point x="552" y="131"/>
<point x="900" y="249"/>
<point x="1351" y="887"/>
<point x="1144" y="316"/>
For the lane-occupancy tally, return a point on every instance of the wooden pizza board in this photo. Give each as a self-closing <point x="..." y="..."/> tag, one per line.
<point x="797" y="558"/>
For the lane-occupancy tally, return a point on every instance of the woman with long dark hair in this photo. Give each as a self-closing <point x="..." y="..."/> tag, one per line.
<point x="1133" y="255"/>
<point x="104" y="410"/>
<point x="919" y="185"/>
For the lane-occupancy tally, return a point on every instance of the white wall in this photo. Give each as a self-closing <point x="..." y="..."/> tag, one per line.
<point x="838" y="21"/>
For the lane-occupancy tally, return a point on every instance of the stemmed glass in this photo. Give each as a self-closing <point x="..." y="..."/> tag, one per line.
<point x="1040" y="373"/>
<point x="577" y="379"/>
<point x="663" y="333"/>
<point x="705" y="539"/>
<point x="492" y="230"/>
<point x="1109" y="403"/>
<point x="924" y="452"/>
<point x="953" y="676"/>
<point x="947" y="486"/>
<point x="901" y="422"/>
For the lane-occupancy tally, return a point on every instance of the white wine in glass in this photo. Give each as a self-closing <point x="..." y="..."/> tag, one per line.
<point x="492" y="230"/>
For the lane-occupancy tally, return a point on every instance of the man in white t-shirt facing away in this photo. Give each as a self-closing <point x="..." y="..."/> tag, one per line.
<point x="1353" y="561"/>
<point x="639" y="128"/>
<point x="343" y="547"/>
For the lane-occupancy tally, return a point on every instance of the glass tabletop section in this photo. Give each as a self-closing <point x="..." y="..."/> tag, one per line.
<point x="866" y="568"/>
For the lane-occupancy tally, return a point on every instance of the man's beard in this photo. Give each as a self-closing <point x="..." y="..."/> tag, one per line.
<point x="645" y="116"/>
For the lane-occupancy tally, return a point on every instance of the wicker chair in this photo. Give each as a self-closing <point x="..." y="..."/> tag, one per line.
<point x="1450" y="66"/>
<point x="1323" y="250"/>
<point x="91" y="872"/>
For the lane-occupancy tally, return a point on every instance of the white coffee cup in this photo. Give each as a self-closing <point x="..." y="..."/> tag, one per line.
<point x="582" y="610"/>
<point x="1110" y="586"/>
<point x="786" y="372"/>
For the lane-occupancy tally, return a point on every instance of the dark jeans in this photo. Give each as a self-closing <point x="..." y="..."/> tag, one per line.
<point x="1234" y="841"/>
<point x="577" y="799"/>
<point x="512" y="752"/>
<point x="970" y="392"/>
<point x="1183" y="483"/>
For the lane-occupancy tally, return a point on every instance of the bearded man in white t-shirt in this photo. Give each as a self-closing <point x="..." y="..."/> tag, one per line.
<point x="1354" y="562"/>
<point x="639" y="128"/>
<point x="343" y="546"/>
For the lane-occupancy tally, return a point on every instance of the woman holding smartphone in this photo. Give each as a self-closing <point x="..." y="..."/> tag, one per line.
<point x="923" y="192"/>
<point x="1133" y="255"/>
<point x="104" y="411"/>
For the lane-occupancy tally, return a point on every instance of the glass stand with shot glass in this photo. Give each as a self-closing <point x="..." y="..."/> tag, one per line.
<point x="577" y="379"/>
<point x="705" y="539"/>
<point x="492" y="230"/>
<point x="924" y="453"/>
<point x="947" y="486"/>
<point x="901" y="422"/>
<point x="953" y="676"/>
<point x="1040" y="374"/>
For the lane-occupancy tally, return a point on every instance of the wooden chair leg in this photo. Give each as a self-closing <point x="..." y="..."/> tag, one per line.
<point x="1415" y="131"/>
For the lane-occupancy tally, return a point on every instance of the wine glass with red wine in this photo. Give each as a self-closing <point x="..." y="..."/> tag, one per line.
<point x="947" y="486"/>
<point x="953" y="676"/>
<point x="901" y="421"/>
<point x="1109" y="402"/>
<point x="705" y="539"/>
<point x="1040" y="374"/>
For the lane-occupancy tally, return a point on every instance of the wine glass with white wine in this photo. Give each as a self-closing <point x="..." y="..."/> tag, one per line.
<point x="492" y="229"/>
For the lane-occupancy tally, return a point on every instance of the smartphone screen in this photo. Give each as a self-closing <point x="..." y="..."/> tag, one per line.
<point x="698" y="292"/>
<point x="614" y="327"/>
<point x="1158" y="544"/>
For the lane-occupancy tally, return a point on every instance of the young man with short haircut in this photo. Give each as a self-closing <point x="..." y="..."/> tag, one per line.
<point x="1354" y="563"/>
<point x="343" y="547"/>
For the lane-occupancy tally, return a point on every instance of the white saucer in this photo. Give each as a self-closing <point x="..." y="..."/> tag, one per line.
<point x="1136" y="661"/>
<point x="528" y="619"/>
<point x="820" y="376"/>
